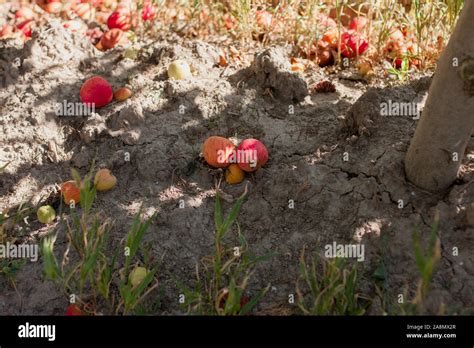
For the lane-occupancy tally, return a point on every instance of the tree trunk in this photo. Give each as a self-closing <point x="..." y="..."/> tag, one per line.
<point x="447" y="121"/>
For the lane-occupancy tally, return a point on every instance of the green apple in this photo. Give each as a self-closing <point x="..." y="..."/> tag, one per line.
<point x="137" y="276"/>
<point x="46" y="214"/>
<point x="179" y="70"/>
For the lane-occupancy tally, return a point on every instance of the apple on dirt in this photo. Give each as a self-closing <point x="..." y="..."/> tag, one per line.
<point x="234" y="174"/>
<point x="120" y="19"/>
<point x="46" y="214"/>
<point x="96" y="91"/>
<point x="122" y="94"/>
<point x="217" y="151"/>
<point x="179" y="70"/>
<point x="137" y="275"/>
<point x="111" y="38"/>
<point x="252" y="155"/>
<point x="104" y="180"/>
<point x="74" y="310"/>
<point x="71" y="193"/>
<point x="353" y="44"/>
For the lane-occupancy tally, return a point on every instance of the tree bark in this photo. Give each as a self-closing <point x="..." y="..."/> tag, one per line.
<point x="447" y="121"/>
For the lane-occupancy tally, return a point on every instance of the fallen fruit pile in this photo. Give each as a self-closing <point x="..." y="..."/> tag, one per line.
<point x="249" y="156"/>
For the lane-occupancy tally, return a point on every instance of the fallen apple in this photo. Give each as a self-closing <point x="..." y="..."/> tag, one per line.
<point x="324" y="54"/>
<point x="71" y="193"/>
<point x="234" y="174"/>
<point x="46" y="214"/>
<point x="331" y="37"/>
<point x="96" y="91"/>
<point x="137" y="276"/>
<point x="122" y="94"/>
<point x="111" y="38"/>
<point x="252" y="155"/>
<point x="74" y="310"/>
<point x="179" y="70"/>
<point x="353" y="44"/>
<point x="119" y="20"/>
<point x="104" y="180"/>
<point x="217" y="151"/>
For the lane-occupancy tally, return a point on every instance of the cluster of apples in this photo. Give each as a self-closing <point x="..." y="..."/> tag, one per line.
<point x="97" y="91"/>
<point x="400" y="45"/>
<point x="118" y="16"/>
<point x="353" y="42"/>
<point x="104" y="180"/>
<point x="249" y="156"/>
<point x="135" y="278"/>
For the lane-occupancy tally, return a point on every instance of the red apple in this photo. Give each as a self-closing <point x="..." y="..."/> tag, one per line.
<point x="74" y="310"/>
<point x="353" y="44"/>
<point x="119" y="20"/>
<point x="251" y="155"/>
<point x="96" y="91"/>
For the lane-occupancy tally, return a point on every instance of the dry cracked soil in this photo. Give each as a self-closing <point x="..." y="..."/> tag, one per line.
<point x="332" y="154"/>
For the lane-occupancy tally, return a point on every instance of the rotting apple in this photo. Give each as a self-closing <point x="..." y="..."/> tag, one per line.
<point x="251" y="155"/>
<point x="104" y="180"/>
<point x="122" y="94"/>
<point x="71" y="193"/>
<point x="96" y="91"/>
<point x="111" y="38"/>
<point x="234" y="174"/>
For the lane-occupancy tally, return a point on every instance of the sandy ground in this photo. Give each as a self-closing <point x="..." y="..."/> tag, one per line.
<point x="163" y="126"/>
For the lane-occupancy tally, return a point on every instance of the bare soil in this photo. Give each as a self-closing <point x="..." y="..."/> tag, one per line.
<point x="163" y="126"/>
